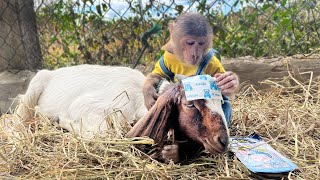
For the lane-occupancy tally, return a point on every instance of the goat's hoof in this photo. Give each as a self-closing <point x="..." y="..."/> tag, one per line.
<point x="170" y="152"/>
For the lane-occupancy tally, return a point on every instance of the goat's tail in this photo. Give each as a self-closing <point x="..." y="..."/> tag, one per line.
<point x="29" y="100"/>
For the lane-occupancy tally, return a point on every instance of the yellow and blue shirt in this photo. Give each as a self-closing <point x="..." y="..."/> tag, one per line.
<point x="169" y="65"/>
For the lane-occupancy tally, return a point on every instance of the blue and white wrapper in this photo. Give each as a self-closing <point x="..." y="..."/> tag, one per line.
<point x="201" y="87"/>
<point x="260" y="157"/>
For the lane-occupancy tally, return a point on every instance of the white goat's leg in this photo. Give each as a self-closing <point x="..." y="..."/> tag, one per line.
<point x="71" y="125"/>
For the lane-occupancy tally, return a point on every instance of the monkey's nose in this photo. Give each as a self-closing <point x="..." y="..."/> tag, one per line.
<point x="195" y="56"/>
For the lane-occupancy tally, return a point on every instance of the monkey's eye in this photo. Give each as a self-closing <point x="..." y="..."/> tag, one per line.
<point x="190" y="43"/>
<point x="201" y="43"/>
<point x="190" y="104"/>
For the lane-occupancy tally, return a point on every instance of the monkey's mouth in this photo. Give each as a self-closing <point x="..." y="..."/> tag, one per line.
<point x="214" y="147"/>
<point x="192" y="61"/>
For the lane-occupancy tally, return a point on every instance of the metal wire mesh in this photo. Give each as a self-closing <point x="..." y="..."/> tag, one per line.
<point x="109" y="32"/>
<point x="19" y="45"/>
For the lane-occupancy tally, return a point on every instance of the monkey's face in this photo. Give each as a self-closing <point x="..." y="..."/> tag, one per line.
<point x="192" y="49"/>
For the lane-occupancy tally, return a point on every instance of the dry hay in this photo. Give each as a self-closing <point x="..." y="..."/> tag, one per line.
<point x="286" y="116"/>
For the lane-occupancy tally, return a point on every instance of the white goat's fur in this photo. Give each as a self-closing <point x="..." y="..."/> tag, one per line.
<point x="81" y="97"/>
<point x="216" y="106"/>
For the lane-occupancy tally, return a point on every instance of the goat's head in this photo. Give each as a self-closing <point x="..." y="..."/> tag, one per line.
<point x="201" y="120"/>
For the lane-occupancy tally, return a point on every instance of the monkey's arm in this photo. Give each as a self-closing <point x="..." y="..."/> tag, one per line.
<point x="149" y="89"/>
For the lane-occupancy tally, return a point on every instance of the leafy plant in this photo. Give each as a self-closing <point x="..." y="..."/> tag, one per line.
<point x="76" y="32"/>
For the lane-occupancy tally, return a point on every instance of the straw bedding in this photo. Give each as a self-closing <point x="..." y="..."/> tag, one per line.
<point x="287" y="116"/>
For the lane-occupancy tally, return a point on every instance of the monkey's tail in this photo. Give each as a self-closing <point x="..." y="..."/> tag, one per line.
<point x="28" y="101"/>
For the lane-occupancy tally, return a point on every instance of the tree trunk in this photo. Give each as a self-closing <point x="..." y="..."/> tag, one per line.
<point x="29" y="34"/>
<point x="19" y="43"/>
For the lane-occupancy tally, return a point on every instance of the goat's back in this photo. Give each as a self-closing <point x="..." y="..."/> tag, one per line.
<point x="81" y="97"/>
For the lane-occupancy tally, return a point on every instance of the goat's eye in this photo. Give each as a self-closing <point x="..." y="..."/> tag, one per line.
<point x="190" y="104"/>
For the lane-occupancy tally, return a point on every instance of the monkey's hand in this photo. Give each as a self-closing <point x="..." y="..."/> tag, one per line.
<point x="171" y="152"/>
<point x="149" y="90"/>
<point x="228" y="83"/>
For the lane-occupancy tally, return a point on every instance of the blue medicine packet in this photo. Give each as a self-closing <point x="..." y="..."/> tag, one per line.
<point x="201" y="87"/>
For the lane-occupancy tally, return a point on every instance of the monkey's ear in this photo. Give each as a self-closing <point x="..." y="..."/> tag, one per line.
<point x="169" y="45"/>
<point x="171" y="26"/>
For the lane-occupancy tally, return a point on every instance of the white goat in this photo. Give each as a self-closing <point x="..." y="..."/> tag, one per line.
<point x="80" y="98"/>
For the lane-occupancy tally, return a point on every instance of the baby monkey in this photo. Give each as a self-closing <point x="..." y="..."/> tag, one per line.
<point x="188" y="52"/>
<point x="190" y="40"/>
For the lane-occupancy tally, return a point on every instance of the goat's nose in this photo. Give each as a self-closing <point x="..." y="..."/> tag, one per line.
<point x="223" y="139"/>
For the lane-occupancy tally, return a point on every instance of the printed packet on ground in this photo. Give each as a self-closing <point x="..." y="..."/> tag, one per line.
<point x="201" y="87"/>
<point x="259" y="157"/>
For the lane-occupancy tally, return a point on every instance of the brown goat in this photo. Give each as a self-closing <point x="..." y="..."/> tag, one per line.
<point x="198" y="123"/>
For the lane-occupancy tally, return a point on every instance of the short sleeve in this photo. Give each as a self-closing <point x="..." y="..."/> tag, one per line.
<point x="157" y="69"/>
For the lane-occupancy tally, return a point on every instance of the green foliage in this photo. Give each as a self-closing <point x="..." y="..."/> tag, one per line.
<point x="270" y="29"/>
<point x="79" y="32"/>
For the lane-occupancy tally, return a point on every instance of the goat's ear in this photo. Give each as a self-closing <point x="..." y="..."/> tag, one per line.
<point x="156" y="124"/>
